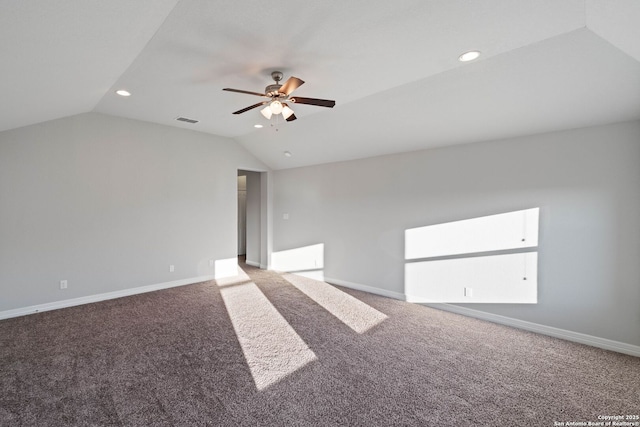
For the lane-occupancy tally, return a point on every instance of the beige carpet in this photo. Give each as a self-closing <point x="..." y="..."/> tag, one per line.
<point x="268" y="349"/>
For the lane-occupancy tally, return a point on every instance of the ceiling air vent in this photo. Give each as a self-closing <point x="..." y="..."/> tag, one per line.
<point x="184" y="119"/>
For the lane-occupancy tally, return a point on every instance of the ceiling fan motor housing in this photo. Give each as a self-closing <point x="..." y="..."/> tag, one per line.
<point x="272" y="90"/>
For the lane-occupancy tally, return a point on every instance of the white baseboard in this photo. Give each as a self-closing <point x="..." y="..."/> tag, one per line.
<point x="603" y="343"/>
<point x="365" y="288"/>
<point x="23" y="311"/>
<point x="578" y="337"/>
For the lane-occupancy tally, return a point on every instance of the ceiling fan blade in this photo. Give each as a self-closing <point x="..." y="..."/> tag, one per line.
<point x="290" y="85"/>
<point x="250" y="108"/>
<point x="291" y="118"/>
<point x="313" y="101"/>
<point x="244" y="91"/>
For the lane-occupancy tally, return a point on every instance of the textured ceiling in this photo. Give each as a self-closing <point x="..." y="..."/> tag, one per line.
<point x="391" y="67"/>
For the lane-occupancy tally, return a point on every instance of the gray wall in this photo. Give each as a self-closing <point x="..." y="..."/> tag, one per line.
<point x="109" y="203"/>
<point x="586" y="183"/>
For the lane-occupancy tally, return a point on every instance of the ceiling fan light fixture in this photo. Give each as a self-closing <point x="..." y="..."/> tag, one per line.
<point x="276" y="107"/>
<point x="469" y="56"/>
<point x="286" y="112"/>
<point x="266" y="112"/>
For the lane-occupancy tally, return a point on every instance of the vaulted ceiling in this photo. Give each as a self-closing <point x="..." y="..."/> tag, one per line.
<point x="392" y="68"/>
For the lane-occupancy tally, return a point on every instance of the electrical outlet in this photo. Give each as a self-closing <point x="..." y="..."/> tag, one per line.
<point x="172" y="268"/>
<point x="63" y="284"/>
<point x="210" y="263"/>
<point x="468" y="292"/>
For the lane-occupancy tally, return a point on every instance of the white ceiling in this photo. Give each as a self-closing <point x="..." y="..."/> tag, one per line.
<point x="391" y="67"/>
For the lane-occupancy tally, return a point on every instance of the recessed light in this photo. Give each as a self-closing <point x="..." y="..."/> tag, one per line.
<point x="287" y="154"/>
<point x="469" y="56"/>
<point x="123" y="92"/>
<point x="257" y="126"/>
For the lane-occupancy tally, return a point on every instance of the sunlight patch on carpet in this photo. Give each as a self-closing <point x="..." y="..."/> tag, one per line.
<point x="349" y="310"/>
<point x="272" y="348"/>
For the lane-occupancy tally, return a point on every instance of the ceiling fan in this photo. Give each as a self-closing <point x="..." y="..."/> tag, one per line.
<point x="279" y="97"/>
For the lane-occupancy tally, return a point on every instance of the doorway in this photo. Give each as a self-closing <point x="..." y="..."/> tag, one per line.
<point x="252" y="213"/>
<point x="242" y="215"/>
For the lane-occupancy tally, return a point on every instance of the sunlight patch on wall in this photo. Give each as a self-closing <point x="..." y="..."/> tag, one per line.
<point x="510" y="230"/>
<point x="351" y="311"/>
<point x="306" y="261"/>
<point x="456" y="262"/>
<point x="299" y="259"/>
<point x="508" y="278"/>
<point x="226" y="268"/>
<point x="272" y="348"/>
